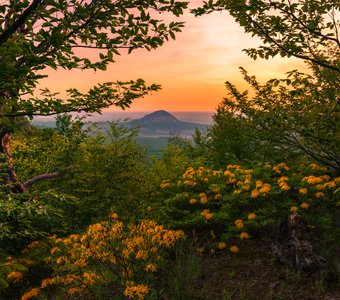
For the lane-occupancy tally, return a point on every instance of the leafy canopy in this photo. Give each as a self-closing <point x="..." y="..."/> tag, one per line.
<point x="302" y="110"/>
<point x="305" y="29"/>
<point x="40" y="34"/>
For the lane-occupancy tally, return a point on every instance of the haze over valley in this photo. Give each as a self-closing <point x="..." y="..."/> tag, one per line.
<point x="154" y="128"/>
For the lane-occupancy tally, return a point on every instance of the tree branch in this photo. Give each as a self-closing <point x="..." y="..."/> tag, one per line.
<point x="291" y="13"/>
<point x="23" y="114"/>
<point x="101" y="47"/>
<point x="287" y="51"/>
<point x="42" y="177"/>
<point x="19" y="22"/>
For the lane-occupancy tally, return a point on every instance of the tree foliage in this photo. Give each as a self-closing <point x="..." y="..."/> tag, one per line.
<point x="302" y="110"/>
<point x="36" y="35"/>
<point x="308" y="30"/>
<point x="235" y="139"/>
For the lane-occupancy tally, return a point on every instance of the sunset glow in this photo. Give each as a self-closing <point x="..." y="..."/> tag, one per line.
<point x="192" y="69"/>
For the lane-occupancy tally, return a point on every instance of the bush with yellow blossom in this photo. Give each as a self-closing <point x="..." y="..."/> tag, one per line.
<point x="110" y="259"/>
<point x="11" y="271"/>
<point x="234" y="202"/>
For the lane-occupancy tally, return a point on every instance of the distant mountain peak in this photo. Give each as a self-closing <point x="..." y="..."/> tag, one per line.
<point x="162" y="123"/>
<point x="159" y="116"/>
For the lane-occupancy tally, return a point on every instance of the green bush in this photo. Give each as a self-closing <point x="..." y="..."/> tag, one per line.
<point x="221" y="205"/>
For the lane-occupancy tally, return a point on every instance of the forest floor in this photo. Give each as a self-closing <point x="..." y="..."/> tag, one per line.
<point x="254" y="273"/>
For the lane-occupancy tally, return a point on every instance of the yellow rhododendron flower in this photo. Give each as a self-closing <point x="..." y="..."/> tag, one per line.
<point x="192" y="201"/>
<point x="320" y="186"/>
<point x="244" y="235"/>
<point x="237" y="167"/>
<point x="31" y="294"/>
<point x="221" y="245"/>
<point x="319" y="195"/>
<point x="234" y="249"/>
<point x="141" y="254"/>
<point x="325" y="177"/>
<point x="254" y="193"/>
<point x="207" y="214"/>
<point x="251" y="216"/>
<point x="284" y="166"/>
<point x="232" y="180"/>
<point x="294" y="209"/>
<point x="314" y="166"/>
<point x="54" y="250"/>
<point x="47" y="281"/>
<point x="60" y="260"/>
<point x="285" y="187"/>
<point x="204" y="200"/>
<point x="330" y="184"/>
<point x="303" y="191"/>
<point x="218" y="197"/>
<point x="265" y="188"/>
<point x="33" y="245"/>
<point x="164" y="185"/>
<point x="150" y="268"/>
<point x="91" y="277"/>
<point x="215" y="188"/>
<point x="188" y="182"/>
<point x="15" y="276"/>
<point x="239" y="223"/>
<point x="259" y="183"/>
<point x="114" y="216"/>
<point x="139" y="291"/>
<point x="74" y="290"/>
<point x="229" y="174"/>
<point x="313" y="180"/>
<point x="246" y="187"/>
<point x="282" y="179"/>
<point x="304" y="205"/>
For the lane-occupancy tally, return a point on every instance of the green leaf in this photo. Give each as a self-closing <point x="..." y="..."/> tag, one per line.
<point x="19" y="267"/>
<point x="3" y="283"/>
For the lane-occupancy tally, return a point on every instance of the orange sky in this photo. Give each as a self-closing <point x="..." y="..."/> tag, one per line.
<point x="192" y="69"/>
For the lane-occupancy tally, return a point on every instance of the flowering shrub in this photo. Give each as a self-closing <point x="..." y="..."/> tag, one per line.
<point x="235" y="202"/>
<point x="10" y="271"/>
<point x="109" y="260"/>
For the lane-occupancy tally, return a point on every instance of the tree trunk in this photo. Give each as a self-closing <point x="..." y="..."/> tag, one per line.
<point x="294" y="248"/>
<point x="8" y="177"/>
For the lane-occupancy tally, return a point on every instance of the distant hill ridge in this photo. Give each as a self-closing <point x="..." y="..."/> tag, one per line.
<point x="162" y="123"/>
<point x="159" y="116"/>
<point x="159" y="123"/>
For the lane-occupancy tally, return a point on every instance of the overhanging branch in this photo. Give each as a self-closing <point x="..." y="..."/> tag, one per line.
<point x="289" y="52"/>
<point x="42" y="177"/>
